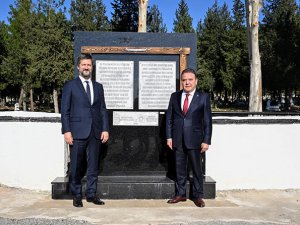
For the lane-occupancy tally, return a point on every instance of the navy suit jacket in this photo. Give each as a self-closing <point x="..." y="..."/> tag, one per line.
<point x="195" y="127"/>
<point x="78" y="116"/>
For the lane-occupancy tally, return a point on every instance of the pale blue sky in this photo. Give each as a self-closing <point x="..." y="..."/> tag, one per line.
<point x="197" y="9"/>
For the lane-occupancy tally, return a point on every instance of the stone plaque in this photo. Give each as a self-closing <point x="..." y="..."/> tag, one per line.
<point x="117" y="80"/>
<point x="123" y="118"/>
<point x="157" y="81"/>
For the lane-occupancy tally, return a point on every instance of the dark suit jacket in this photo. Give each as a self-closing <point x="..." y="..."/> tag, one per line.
<point x="195" y="127"/>
<point x="77" y="114"/>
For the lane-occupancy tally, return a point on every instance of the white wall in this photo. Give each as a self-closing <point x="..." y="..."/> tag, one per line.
<point x="241" y="156"/>
<point x="31" y="154"/>
<point x="255" y="156"/>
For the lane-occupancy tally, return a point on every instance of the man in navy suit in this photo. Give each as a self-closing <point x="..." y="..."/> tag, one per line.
<point x="188" y="130"/>
<point x="85" y="126"/>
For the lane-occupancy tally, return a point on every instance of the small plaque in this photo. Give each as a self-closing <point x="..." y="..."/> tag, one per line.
<point x="123" y="118"/>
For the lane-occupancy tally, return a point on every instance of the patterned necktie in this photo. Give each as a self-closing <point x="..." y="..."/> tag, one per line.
<point x="186" y="104"/>
<point x="88" y="91"/>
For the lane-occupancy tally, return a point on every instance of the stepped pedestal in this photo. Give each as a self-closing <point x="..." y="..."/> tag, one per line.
<point x="129" y="186"/>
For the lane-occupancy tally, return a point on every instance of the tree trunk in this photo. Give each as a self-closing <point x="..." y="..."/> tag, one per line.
<point x="252" y="12"/>
<point x="55" y="100"/>
<point x="31" y="100"/>
<point x="22" y="98"/>
<point x="143" y="4"/>
<point x="2" y="100"/>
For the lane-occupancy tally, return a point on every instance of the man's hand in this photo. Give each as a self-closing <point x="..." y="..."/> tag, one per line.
<point x="170" y="143"/>
<point x="104" y="136"/>
<point x="204" y="147"/>
<point x="68" y="138"/>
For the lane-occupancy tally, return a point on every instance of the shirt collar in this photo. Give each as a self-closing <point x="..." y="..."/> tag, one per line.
<point x="191" y="93"/>
<point x="84" y="80"/>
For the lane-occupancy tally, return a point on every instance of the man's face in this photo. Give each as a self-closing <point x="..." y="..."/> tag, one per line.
<point x="189" y="82"/>
<point x="85" y="68"/>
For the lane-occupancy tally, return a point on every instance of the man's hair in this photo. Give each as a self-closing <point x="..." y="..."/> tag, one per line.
<point x="189" y="70"/>
<point x="84" y="56"/>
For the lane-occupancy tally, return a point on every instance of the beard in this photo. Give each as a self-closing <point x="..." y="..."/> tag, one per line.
<point x="86" y="74"/>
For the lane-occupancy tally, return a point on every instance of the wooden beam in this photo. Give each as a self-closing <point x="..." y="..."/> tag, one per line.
<point x="135" y="50"/>
<point x="182" y="52"/>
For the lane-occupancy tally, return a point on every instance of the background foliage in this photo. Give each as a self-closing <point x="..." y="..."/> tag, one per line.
<point x="36" y="47"/>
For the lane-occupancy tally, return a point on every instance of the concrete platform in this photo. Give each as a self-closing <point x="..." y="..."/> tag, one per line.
<point x="241" y="207"/>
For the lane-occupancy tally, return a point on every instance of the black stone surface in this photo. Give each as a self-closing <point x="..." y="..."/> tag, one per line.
<point x="137" y="185"/>
<point x="137" y="148"/>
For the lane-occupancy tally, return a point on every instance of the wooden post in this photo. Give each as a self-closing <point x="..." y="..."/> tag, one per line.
<point x="143" y="4"/>
<point x="255" y="96"/>
<point x="182" y="67"/>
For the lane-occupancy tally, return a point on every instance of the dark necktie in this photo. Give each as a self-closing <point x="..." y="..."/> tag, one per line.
<point x="186" y="104"/>
<point x="88" y="91"/>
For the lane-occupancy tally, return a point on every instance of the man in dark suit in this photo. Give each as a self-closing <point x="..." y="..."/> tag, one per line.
<point x="85" y="126"/>
<point x="188" y="131"/>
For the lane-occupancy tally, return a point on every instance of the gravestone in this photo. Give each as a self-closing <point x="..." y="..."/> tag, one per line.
<point x="139" y="71"/>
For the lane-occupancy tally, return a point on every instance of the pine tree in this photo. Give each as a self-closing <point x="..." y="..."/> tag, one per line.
<point x="183" y="21"/>
<point x="88" y="15"/>
<point x="51" y="53"/>
<point x="242" y="79"/>
<point x="155" y="21"/>
<point x="280" y="46"/>
<point x="125" y="15"/>
<point x="216" y="53"/>
<point x="20" y="35"/>
<point x="3" y="55"/>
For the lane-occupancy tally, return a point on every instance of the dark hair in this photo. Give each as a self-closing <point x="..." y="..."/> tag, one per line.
<point x="189" y="70"/>
<point x="84" y="56"/>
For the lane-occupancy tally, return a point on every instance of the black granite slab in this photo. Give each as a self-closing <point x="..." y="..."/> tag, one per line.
<point x="138" y="185"/>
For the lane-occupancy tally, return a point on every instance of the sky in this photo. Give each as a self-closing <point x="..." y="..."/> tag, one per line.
<point x="197" y="9"/>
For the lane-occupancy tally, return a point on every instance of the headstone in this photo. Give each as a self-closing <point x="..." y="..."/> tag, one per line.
<point x="17" y="108"/>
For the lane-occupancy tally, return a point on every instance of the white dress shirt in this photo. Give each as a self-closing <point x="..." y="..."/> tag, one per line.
<point x="191" y="95"/>
<point x="91" y="87"/>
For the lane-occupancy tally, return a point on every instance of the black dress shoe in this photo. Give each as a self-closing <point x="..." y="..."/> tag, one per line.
<point x="77" y="202"/>
<point x="95" y="200"/>
<point x="176" y="199"/>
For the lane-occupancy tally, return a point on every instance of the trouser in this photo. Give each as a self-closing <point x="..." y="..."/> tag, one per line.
<point x="182" y="156"/>
<point x="84" y="149"/>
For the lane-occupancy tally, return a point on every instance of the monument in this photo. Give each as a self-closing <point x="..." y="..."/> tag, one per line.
<point x="139" y="71"/>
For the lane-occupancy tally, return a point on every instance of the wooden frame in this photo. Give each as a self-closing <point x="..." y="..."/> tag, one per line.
<point x="182" y="52"/>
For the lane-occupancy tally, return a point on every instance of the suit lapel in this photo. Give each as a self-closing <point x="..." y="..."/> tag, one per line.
<point x="96" y="95"/>
<point x="178" y="99"/>
<point x="194" y="101"/>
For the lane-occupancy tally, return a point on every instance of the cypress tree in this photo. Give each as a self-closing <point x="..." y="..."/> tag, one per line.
<point x="52" y="51"/>
<point x="19" y="39"/>
<point x="88" y="15"/>
<point x="183" y="21"/>
<point x="242" y="70"/>
<point x="155" y="21"/>
<point x="217" y="59"/>
<point x="280" y="46"/>
<point x="125" y="15"/>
